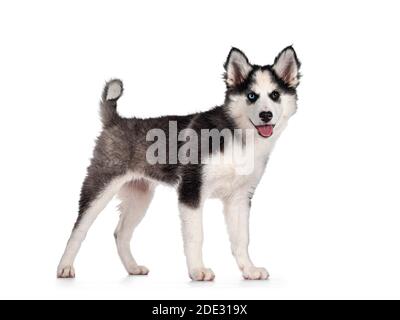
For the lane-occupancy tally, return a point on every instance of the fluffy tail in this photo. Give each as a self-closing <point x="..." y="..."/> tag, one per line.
<point x="108" y="106"/>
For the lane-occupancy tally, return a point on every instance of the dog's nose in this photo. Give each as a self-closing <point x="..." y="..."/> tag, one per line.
<point x="266" y="116"/>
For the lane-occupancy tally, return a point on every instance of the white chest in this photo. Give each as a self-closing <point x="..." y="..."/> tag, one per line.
<point x="235" y="170"/>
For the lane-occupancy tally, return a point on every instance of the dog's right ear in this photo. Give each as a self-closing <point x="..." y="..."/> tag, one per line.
<point x="237" y="68"/>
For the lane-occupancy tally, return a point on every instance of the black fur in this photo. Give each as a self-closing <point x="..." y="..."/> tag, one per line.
<point x="122" y="145"/>
<point x="189" y="190"/>
<point x="244" y="86"/>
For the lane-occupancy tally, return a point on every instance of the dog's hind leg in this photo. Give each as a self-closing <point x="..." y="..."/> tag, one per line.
<point x="97" y="191"/>
<point x="135" y="198"/>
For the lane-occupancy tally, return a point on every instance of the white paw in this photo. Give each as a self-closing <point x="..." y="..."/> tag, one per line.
<point x="138" y="271"/>
<point x="254" y="273"/>
<point x="66" y="272"/>
<point x="202" y="274"/>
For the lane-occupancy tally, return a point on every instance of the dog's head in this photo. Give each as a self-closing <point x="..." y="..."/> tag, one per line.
<point x="262" y="97"/>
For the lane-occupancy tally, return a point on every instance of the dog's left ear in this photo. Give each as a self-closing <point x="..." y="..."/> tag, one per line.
<point x="237" y="68"/>
<point x="287" y="66"/>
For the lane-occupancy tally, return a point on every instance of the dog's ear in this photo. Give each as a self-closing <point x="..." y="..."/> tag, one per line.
<point x="237" y="68"/>
<point x="286" y="67"/>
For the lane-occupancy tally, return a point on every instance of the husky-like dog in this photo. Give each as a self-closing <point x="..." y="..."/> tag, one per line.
<point x="259" y="100"/>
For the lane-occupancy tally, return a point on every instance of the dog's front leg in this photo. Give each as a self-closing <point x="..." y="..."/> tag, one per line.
<point x="192" y="230"/>
<point x="236" y="211"/>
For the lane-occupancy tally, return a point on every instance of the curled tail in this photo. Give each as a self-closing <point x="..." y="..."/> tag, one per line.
<point x="108" y="106"/>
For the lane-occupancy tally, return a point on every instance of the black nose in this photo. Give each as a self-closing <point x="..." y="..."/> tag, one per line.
<point x="266" y="116"/>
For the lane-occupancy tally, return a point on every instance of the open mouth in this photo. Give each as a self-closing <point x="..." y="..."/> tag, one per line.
<point x="265" y="130"/>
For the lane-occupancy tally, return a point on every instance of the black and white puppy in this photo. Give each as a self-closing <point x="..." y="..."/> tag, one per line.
<point x="259" y="101"/>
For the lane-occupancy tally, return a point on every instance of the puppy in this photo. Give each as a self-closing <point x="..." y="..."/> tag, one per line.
<point x="203" y="155"/>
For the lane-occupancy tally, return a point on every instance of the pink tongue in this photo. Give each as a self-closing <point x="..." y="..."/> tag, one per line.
<point x="265" y="131"/>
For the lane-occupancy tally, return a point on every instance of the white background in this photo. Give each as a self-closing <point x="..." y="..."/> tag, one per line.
<point x="325" y="218"/>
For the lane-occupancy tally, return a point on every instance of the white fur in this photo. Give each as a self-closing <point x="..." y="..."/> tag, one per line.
<point x="228" y="183"/>
<point x="114" y="90"/>
<point x="192" y="231"/>
<point x="134" y="203"/>
<point x="248" y="116"/>
<point x="225" y="180"/>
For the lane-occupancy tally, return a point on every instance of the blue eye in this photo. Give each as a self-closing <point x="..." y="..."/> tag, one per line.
<point x="252" y="96"/>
